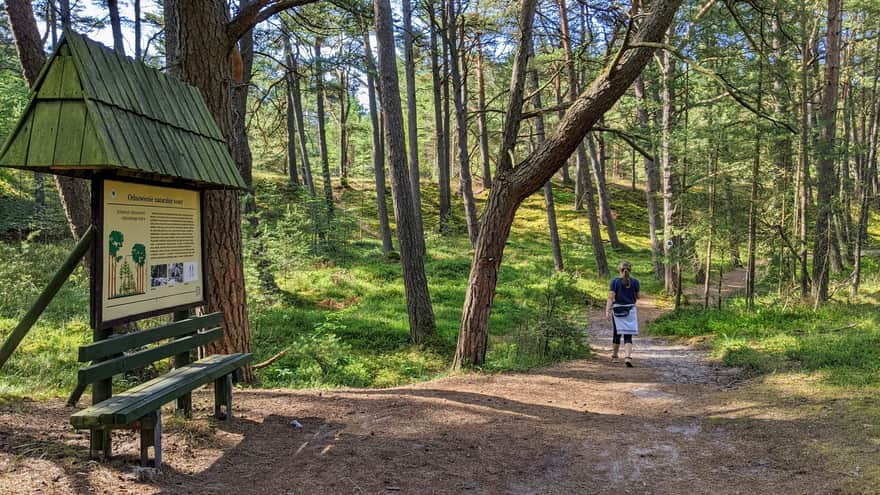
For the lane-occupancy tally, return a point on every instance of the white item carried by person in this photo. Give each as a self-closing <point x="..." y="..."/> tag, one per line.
<point x="626" y="319"/>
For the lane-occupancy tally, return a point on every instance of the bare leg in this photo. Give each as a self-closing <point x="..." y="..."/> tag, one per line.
<point x="628" y="349"/>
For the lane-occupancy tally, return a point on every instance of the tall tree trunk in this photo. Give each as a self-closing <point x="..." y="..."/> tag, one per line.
<point x="481" y="115"/>
<point x="241" y="153"/>
<point x="602" y="190"/>
<point x="825" y="167"/>
<point x="669" y="180"/>
<point x="571" y="73"/>
<point x="713" y="173"/>
<point x="342" y="79"/>
<point x="203" y="47"/>
<point x="804" y="190"/>
<point x="440" y="131"/>
<point x="292" y="173"/>
<point x="513" y="185"/>
<point x="421" y="314"/>
<point x="138" y="51"/>
<point x="555" y="246"/>
<point x="650" y="191"/>
<point x="459" y="95"/>
<point x="557" y="83"/>
<point x="293" y="63"/>
<point x="753" y="198"/>
<point x="378" y="149"/>
<point x="74" y="193"/>
<point x="409" y="69"/>
<point x="322" y="130"/>
<point x="446" y="176"/>
<point x="116" y="26"/>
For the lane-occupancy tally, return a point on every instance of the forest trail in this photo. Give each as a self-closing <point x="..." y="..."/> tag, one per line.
<point x="676" y="423"/>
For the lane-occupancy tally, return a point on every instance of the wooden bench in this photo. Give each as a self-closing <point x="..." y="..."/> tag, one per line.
<point x="140" y="407"/>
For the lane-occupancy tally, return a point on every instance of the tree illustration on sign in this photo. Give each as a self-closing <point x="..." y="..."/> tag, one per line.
<point x="139" y="256"/>
<point x="127" y="278"/>
<point x="115" y="244"/>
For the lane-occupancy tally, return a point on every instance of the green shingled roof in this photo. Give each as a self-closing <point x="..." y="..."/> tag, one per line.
<point x="93" y="110"/>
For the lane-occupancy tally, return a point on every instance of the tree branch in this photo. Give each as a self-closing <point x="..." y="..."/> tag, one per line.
<point x="255" y="13"/>
<point x="720" y="79"/>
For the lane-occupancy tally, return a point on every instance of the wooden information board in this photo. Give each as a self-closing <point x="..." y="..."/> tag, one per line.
<point x="149" y="255"/>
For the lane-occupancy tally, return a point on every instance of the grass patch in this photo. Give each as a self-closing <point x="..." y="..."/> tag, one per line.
<point x="840" y="342"/>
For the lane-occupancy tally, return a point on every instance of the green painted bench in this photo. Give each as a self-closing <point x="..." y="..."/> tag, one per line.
<point x="140" y="407"/>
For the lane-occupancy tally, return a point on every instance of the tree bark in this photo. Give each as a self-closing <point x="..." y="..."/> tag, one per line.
<point x="602" y="191"/>
<point x="322" y="130"/>
<point x="421" y="314"/>
<point x="825" y="167"/>
<point x="138" y="52"/>
<point x="481" y="116"/>
<point x="650" y="191"/>
<point x="555" y="246"/>
<point x="409" y="69"/>
<point x="441" y="145"/>
<point x="512" y="186"/>
<point x="74" y="193"/>
<point x="669" y="180"/>
<point x="293" y="63"/>
<point x="116" y="26"/>
<point x="203" y="47"/>
<point x="292" y="173"/>
<point x="459" y="95"/>
<point x="378" y="149"/>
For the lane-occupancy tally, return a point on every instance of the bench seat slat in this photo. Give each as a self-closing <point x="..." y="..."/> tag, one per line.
<point x="121" y="343"/>
<point x="138" y="401"/>
<point x="135" y="360"/>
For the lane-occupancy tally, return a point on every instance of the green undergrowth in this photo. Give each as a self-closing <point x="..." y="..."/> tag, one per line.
<point x="340" y="318"/>
<point x="840" y="342"/>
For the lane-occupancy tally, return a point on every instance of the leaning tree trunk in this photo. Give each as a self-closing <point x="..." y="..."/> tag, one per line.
<point x="513" y="185"/>
<point x="418" y="301"/>
<point x="825" y="169"/>
<point x="203" y="48"/>
<point x="74" y="193"/>
<point x="378" y="149"/>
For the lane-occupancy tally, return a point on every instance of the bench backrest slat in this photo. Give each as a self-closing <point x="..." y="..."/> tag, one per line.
<point x="128" y="362"/>
<point x="125" y="342"/>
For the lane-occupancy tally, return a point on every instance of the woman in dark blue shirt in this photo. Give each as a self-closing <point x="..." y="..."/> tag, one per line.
<point x="621" y="311"/>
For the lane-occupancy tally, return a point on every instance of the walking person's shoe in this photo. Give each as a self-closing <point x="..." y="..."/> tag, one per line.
<point x="614" y="358"/>
<point x="629" y="362"/>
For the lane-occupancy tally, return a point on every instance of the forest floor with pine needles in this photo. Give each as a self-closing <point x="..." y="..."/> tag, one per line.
<point x="679" y="422"/>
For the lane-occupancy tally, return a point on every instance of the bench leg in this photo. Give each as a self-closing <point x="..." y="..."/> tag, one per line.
<point x="151" y="436"/>
<point x="100" y="443"/>
<point x="223" y="396"/>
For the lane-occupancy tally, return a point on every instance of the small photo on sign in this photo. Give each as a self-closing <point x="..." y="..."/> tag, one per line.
<point x="175" y="273"/>
<point x="190" y="272"/>
<point x="158" y="275"/>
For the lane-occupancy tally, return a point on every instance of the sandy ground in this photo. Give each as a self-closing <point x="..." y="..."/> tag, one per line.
<point x="676" y="423"/>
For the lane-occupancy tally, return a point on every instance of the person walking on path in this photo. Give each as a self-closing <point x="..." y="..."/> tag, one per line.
<point x="621" y="311"/>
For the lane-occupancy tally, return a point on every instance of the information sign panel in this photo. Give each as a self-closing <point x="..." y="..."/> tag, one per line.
<point x="150" y="251"/>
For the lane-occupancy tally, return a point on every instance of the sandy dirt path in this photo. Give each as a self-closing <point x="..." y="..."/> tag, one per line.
<point x="673" y="424"/>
